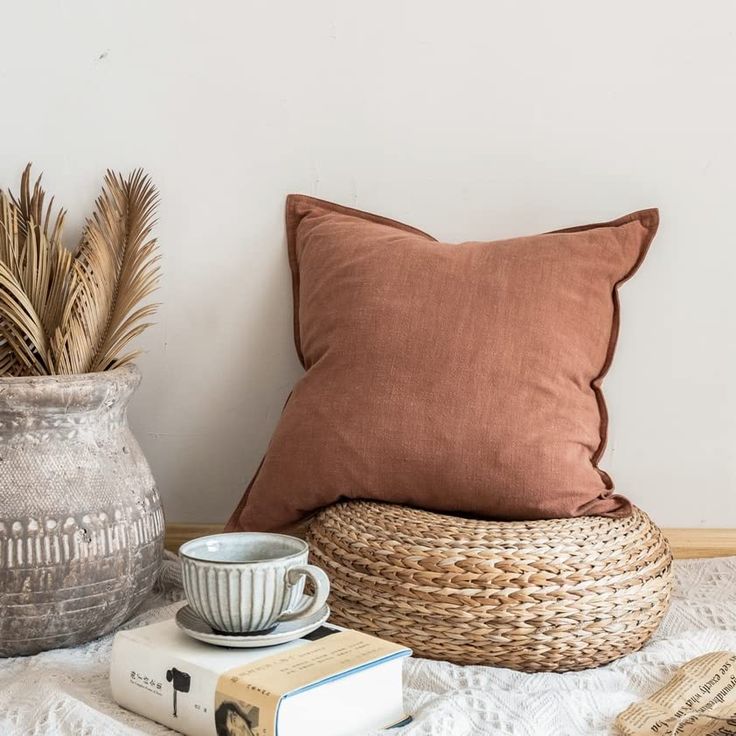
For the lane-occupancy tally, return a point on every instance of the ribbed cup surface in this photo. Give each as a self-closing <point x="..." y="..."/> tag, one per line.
<point x="241" y="597"/>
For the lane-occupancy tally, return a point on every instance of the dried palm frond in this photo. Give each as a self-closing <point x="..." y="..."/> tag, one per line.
<point x="116" y="268"/>
<point x="35" y="279"/>
<point x="30" y="207"/>
<point x="137" y="271"/>
<point x="75" y="313"/>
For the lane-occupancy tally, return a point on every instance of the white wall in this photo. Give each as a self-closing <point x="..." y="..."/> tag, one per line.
<point x="470" y="120"/>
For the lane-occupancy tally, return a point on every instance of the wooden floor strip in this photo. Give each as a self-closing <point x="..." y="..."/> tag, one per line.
<point x="686" y="543"/>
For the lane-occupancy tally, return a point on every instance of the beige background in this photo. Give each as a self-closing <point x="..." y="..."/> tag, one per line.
<point x="469" y="120"/>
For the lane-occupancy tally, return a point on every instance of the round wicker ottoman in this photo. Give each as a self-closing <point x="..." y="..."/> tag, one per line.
<point x="556" y="595"/>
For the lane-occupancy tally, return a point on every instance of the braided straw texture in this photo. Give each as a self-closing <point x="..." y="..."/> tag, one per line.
<point x="557" y="595"/>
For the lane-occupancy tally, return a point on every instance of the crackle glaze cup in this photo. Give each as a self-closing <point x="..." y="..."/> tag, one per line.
<point x="250" y="581"/>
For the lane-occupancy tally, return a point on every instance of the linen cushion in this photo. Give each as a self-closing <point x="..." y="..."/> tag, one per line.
<point x="460" y="378"/>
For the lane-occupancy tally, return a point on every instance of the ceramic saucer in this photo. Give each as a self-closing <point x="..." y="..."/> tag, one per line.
<point x="192" y="624"/>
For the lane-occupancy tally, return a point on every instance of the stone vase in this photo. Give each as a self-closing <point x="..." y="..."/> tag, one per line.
<point x="81" y="526"/>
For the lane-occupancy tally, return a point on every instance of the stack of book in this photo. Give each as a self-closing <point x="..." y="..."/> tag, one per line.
<point x="332" y="682"/>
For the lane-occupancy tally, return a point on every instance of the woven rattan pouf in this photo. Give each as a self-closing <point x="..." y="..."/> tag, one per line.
<point x="556" y="595"/>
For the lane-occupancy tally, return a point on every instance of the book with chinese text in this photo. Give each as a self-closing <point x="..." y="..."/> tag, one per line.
<point x="332" y="682"/>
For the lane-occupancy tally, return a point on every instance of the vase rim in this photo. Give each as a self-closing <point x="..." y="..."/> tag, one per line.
<point x="25" y="399"/>
<point x="114" y="373"/>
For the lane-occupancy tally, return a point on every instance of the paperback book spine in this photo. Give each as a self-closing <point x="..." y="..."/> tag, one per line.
<point x="163" y="687"/>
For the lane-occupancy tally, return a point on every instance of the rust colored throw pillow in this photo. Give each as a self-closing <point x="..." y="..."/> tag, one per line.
<point x="458" y="378"/>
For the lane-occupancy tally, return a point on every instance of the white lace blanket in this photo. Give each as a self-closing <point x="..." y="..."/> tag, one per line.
<point x="65" y="692"/>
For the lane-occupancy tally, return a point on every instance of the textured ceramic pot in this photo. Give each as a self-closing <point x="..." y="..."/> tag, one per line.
<point x="81" y="526"/>
<point x="250" y="581"/>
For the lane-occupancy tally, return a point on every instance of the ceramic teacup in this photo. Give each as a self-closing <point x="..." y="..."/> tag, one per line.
<point x="250" y="581"/>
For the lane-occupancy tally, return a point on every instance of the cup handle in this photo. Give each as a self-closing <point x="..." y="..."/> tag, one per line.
<point x="321" y="591"/>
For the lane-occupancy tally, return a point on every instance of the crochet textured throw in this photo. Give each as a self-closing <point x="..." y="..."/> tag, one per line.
<point x="451" y="377"/>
